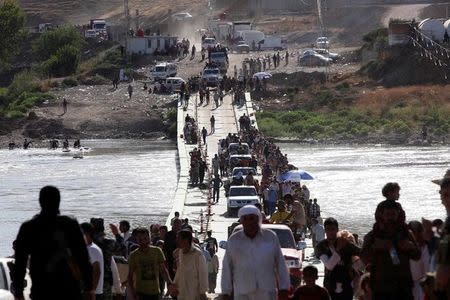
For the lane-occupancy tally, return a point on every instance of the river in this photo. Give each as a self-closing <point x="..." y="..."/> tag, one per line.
<point x="117" y="179"/>
<point x="349" y="180"/>
<point x="136" y="180"/>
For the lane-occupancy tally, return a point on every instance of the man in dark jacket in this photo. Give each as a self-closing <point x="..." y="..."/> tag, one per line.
<point x="59" y="261"/>
<point x="110" y="247"/>
<point x="336" y="254"/>
<point x="170" y="244"/>
<point x="387" y="250"/>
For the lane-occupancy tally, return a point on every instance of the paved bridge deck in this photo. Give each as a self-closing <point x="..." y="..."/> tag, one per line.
<point x="192" y="202"/>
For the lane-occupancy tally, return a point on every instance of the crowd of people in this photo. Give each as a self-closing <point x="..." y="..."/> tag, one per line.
<point x="190" y="129"/>
<point x="53" y="144"/>
<point x="68" y="260"/>
<point x="393" y="261"/>
<point x="396" y="260"/>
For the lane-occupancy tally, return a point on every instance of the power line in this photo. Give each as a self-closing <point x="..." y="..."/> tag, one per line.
<point x="431" y="50"/>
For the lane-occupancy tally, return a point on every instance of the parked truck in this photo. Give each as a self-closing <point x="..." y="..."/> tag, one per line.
<point x="97" y="28"/>
<point x="98" y="24"/>
<point x="240" y="26"/>
<point x="220" y="60"/>
<point x="273" y="43"/>
<point x="251" y="37"/>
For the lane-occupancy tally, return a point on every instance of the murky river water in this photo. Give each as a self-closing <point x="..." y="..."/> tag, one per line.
<point x="136" y="180"/>
<point x="133" y="180"/>
<point x="349" y="180"/>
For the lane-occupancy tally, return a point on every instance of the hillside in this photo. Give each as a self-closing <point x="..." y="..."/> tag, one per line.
<point x="81" y="11"/>
<point x="345" y="21"/>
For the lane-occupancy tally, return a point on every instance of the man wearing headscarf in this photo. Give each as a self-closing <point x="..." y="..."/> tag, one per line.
<point x="254" y="265"/>
<point x="59" y="261"/>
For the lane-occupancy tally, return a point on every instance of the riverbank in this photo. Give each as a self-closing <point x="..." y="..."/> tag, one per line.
<point x="96" y="112"/>
<point x="353" y="112"/>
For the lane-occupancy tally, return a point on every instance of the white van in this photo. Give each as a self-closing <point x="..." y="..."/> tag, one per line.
<point x="174" y="83"/>
<point x="273" y="43"/>
<point x="163" y="70"/>
<point x="252" y="37"/>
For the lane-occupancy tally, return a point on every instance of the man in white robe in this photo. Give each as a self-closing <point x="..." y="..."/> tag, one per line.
<point x="254" y="267"/>
<point x="191" y="278"/>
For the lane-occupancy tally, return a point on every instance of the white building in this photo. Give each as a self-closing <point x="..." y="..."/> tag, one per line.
<point x="148" y="44"/>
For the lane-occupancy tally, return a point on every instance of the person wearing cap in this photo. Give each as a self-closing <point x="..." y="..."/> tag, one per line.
<point x="55" y="249"/>
<point x="253" y="266"/>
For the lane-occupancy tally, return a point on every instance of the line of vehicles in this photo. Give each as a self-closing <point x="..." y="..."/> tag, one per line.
<point x="239" y="159"/>
<point x="166" y="74"/>
<point x="250" y="40"/>
<point x="217" y="66"/>
<point x="318" y="56"/>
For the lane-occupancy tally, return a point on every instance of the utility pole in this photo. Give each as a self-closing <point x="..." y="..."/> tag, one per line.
<point x="137" y="20"/>
<point x="127" y="29"/>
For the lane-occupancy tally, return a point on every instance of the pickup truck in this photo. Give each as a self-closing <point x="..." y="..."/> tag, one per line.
<point x="240" y="196"/>
<point x="212" y="76"/>
<point x="219" y="59"/>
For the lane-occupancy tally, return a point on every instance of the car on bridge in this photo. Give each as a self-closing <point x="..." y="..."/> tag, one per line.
<point x="238" y="148"/>
<point x="292" y="252"/>
<point x="239" y="196"/>
<point x="209" y="43"/>
<point x="212" y="76"/>
<point x="244" y="170"/>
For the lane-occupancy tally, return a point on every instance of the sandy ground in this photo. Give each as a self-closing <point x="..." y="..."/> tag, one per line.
<point x="96" y="112"/>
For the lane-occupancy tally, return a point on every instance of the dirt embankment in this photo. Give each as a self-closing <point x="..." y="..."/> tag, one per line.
<point x="95" y="112"/>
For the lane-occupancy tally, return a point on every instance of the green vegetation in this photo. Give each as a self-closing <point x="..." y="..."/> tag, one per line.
<point x="376" y="40"/>
<point x="23" y="93"/>
<point x="106" y="64"/>
<point x="51" y="41"/>
<point x="171" y="117"/>
<point x="376" y="37"/>
<point x="69" y="82"/>
<point x="390" y="112"/>
<point x="12" y="21"/>
<point x="60" y="50"/>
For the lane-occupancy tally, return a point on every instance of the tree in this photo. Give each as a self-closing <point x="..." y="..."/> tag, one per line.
<point x="12" y="22"/>
<point x="64" y="62"/>
<point x="51" y="41"/>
